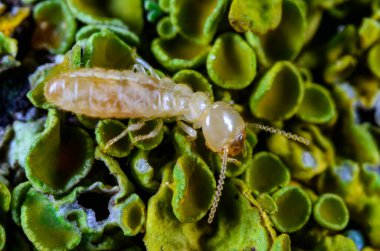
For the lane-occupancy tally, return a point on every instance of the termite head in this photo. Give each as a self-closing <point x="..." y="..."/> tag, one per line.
<point x="224" y="127"/>
<point x="237" y="145"/>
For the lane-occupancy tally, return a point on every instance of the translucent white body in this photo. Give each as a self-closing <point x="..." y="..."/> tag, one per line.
<point x="104" y="93"/>
<point x="117" y="94"/>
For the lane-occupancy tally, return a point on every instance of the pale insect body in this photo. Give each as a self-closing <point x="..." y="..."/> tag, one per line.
<point x="127" y="94"/>
<point x="104" y="93"/>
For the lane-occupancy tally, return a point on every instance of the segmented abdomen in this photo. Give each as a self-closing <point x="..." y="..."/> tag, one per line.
<point x="116" y="94"/>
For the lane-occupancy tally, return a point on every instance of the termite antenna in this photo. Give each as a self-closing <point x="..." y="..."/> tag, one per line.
<point x="273" y="130"/>
<point x="219" y="188"/>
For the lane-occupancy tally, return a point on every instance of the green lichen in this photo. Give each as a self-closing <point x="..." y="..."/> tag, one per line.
<point x="317" y="105"/>
<point x="163" y="230"/>
<point x="193" y="189"/>
<point x="372" y="59"/>
<point x="8" y="45"/>
<point x="231" y="63"/>
<point x="239" y="224"/>
<point x="8" y="52"/>
<point x="5" y="198"/>
<point x="197" y="21"/>
<point x="105" y="131"/>
<point x="143" y="172"/>
<point x="331" y="212"/>
<point x="59" y="157"/>
<point x="270" y="100"/>
<point x="91" y="13"/>
<point x="53" y="32"/>
<point x="101" y="45"/>
<point x="294" y="209"/>
<point x="340" y="70"/>
<point x="369" y="32"/>
<point x="281" y="243"/>
<point x="132" y="15"/>
<point x="18" y="197"/>
<point x="255" y="16"/>
<point x="2" y="237"/>
<point x="24" y="136"/>
<point x="44" y="226"/>
<point x="122" y="32"/>
<point x="150" y="143"/>
<point x="166" y="29"/>
<point x="335" y="243"/>
<point x="266" y="173"/>
<point x="304" y="162"/>
<point x="125" y="185"/>
<point x="132" y="215"/>
<point x="286" y="40"/>
<point x="177" y="53"/>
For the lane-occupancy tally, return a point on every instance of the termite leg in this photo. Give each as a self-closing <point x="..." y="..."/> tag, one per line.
<point x="138" y="68"/>
<point x="219" y="187"/>
<point x="234" y="161"/>
<point x="130" y="128"/>
<point x="245" y="151"/>
<point x="191" y="132"/>
<point x="147" y="67"/>
<point x="152" y="134"/>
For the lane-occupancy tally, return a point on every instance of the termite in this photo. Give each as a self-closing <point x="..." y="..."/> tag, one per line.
<point x="141" y="93"/>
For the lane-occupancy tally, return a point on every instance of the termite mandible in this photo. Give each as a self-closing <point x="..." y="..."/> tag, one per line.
<point x="141" y="93"/>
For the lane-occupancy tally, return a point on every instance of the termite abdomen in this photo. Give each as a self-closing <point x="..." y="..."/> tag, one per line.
<point x="117" y="94"/>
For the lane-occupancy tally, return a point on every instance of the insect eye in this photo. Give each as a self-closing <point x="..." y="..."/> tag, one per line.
<point x="237" y="145"/>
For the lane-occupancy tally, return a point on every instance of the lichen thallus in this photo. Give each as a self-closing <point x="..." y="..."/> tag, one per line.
<point x="141" y="93"/>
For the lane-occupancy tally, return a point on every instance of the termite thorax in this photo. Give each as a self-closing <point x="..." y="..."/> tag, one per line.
<point x="197" y="109"/>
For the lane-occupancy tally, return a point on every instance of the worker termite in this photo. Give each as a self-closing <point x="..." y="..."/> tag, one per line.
<point x="141" y="93"/>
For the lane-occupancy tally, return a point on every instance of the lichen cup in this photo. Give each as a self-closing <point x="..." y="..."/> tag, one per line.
<point x="286" y="40"/>
<point x="231" y="63"/>
<point x="193" y="189"/>
<point x="53" y="32"/>
<point x="317" y="105"/>
<point x="178" y="53"/>
<point x="330" y="211"/>
<point x="59" y="157"/>
<point x="255" y="16"/>
<point x="294" y="209"/>
<point x="266" y="173"/>
<point x="197" y="21"/>
<point x="270" y="100"/>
